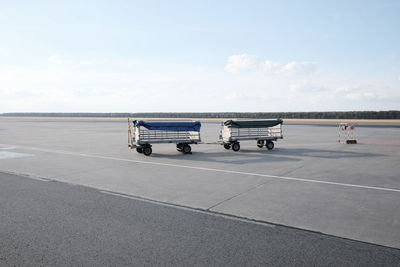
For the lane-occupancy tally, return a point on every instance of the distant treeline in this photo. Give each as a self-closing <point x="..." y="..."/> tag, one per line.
<point x="374" y="115"/>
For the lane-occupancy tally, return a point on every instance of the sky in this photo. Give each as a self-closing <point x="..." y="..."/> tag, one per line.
<point x="199" y="56"/>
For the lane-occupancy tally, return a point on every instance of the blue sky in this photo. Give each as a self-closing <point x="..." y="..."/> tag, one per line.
<point x="128" y="56"/>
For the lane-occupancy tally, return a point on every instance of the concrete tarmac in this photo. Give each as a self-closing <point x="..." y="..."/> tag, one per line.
<point x="308" y="181"/>
<point x="57" y="224"/>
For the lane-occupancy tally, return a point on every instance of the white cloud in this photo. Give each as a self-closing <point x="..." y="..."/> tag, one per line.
<point x="271" y="66"/>
<point x="55" y="58"/>
<point x="361" y="96"/>
<point x="241" y="62"/>
<point x="371" y="95"/>
<point x="304" y="67"/>
<point x="245" y="62"/>
<point x="358" y="92"/>
<point x="136" y="86"/>
<point x="307" y="87"/>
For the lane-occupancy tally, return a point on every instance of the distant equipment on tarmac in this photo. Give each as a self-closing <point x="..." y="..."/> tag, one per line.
<point x="347" y="133"/>
<point x="264" y="132"/>
<point x="146" y="133"/>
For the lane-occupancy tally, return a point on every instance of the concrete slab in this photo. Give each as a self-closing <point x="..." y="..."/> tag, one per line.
<point x="54" y="165"/>
<point x="362" y="214"/>
<point x="308" y="181"/>
<point x="188" y="187"/>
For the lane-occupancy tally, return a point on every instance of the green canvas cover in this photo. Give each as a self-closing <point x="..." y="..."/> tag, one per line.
<point x="252" y="124"/>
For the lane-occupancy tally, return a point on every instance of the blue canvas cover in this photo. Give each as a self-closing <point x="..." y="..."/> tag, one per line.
<point x="193" y="126"/>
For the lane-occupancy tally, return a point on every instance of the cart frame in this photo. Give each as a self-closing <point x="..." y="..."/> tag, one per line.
<point x="142" y="138"/>
<point x="232" y="133"/>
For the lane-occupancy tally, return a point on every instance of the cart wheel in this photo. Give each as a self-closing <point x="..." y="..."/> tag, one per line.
<point x="147" y="151"/>
<point x="227" y="146"/>
<point x="270" y="145"/>
<point x="260" y="143"/>
<point x="179" y="147"/>
<point x="139" y="149"/>
<point x="186" y="149"/>
<point x="235" y="147"/>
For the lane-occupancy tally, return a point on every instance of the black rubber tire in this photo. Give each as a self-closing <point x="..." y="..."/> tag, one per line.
<point x="260" y="143"/>
<point x="179" y="147"/>
<point x="186" y="149"/>
<point x="270" y="145"/>
<point x="147" y="151"/>
<point x="139" y="149"/>
<point x="235" y="147"/>
<point x="227" y="146"/>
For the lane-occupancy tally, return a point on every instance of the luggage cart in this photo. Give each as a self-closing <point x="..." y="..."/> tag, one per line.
<point x="347" y="133"/>
<point x="264" y="132"/>
<point x="142" y="134"/>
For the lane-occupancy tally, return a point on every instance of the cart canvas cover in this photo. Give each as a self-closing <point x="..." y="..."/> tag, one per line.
<point x="252" y="124"/>
<point x="192" y="126"/>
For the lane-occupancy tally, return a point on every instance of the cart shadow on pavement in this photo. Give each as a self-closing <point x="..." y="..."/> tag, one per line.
<point x="251" y="156"/>
<point x="228" y="157"/>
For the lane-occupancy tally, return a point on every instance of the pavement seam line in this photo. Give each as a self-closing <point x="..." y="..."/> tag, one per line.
<point x="28" y="175"/>
<point x="191" y="209"/>
<point x="293" y="170"/>
<point x="216" y="170"/>
<point x="239" y="194"/>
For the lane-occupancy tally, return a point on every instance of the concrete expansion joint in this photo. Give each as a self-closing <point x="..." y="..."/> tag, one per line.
<point x="188" y="208"/>
<point x="239" y="194"/>
<point x="291" y="171"/>
<point x="28" y="175"/>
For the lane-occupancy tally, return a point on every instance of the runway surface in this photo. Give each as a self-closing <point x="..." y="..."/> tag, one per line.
<point x="56" y="224"/>
<point x="309" y="181"/>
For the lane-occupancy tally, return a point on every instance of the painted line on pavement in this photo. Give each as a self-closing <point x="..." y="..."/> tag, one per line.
<point x="215" y="170"/>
